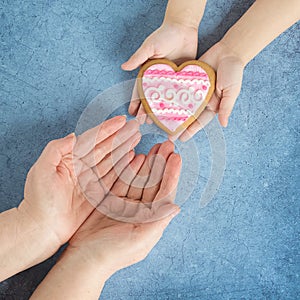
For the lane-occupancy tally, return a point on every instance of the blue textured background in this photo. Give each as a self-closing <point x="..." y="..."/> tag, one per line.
<point x="56" y="56"/>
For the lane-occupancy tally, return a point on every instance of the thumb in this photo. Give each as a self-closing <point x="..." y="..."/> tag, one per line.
<point x="226" y="106"/>
<point x="55" y="150"/>
<point x="229" y="84"/>
<point x="161" y="219"/>
<point x="145" y="52"/>
<point x="228" y="97"/>
<point x="165" y="214"/>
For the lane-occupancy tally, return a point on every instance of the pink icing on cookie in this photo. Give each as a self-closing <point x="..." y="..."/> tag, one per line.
<point x="175" y="96"/>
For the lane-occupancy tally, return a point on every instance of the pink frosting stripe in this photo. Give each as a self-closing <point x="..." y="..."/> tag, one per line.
<point x="166" y="105"/>
<point x="172" y="115"/>
<point x="173" y="118"/>
<point x="171" y="74"/>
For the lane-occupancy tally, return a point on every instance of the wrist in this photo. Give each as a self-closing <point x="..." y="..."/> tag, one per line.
<point x="182" y="22"/>
<point x="229" y="51"/>
<point x="35" y="237"/>
<point x="40" y="227"/>
<point x="188" y="13"/>
<point x="23" y="243"/>
<point x="73" y="277"/>
<point x="223" y="51"/>
<point x="85" y="261"/>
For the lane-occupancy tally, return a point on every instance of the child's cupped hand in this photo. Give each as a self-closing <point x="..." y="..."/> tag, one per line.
<point x="229" y="69"/>
<point x="171" y="40"/>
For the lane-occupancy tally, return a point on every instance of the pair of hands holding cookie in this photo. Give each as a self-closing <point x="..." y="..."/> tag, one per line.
<point x="177" y="40"/>
<point x="178" y="43"/>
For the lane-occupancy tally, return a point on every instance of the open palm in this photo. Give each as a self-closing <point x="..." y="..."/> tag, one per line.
<point x="229" y="69"/>
<point x="131" y="219"/>
<point x="59" y="187"/>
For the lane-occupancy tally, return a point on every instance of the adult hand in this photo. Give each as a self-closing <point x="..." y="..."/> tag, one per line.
<point x="131" y="219"/>
<point x="174" y="41"/>
<point x="60" y="185"/>
<point x="141" y="202"/>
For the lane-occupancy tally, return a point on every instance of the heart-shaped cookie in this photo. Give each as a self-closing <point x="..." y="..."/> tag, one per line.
<point x="174" y="96"/>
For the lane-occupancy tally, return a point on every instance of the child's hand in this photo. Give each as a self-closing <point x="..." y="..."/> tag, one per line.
<point x="146" y="202"/>
<point x="229" y="68"/>
<point x="173" y="41"/>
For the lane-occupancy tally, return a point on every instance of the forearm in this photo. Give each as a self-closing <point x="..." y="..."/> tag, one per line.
<point x="73" y="277"/>
<point x="188" y="13"/>
<point x="260" y="25"/>
<point x="23" y="242"/>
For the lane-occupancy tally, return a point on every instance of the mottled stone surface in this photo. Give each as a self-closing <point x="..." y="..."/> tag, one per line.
<point x="56" y="56"/>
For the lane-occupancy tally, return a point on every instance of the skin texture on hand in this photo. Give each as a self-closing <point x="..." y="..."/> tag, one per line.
<point x="103" y="245"/>
<point x="143" y="193"/>
<point x="59" y="189"/>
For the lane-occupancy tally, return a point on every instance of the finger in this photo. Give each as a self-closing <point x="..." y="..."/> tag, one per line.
<point x="111" y="143"/>
<point x="139" y="57"/>
<point x="157" y="170"/>
<point x="89" y="139"/>
<point x="229" y="83"/>
<point x="136" y="188"/>
<point x="205" y="117"/>
<point x="136" y="108"/>
<point x="169" y="183"/>
<point x="149" y="120"/>
<point x="135" y="101"/>
<point x="162" y="217"/>
<point x="229" y="97"/>
<point x="141" y="114"/>
<point x="112" y="158"/>
<point x="55" y="150"/>
<point x="111" y="177"/>
<point x="121" y="186"/>
<point x="174" y="137"/>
